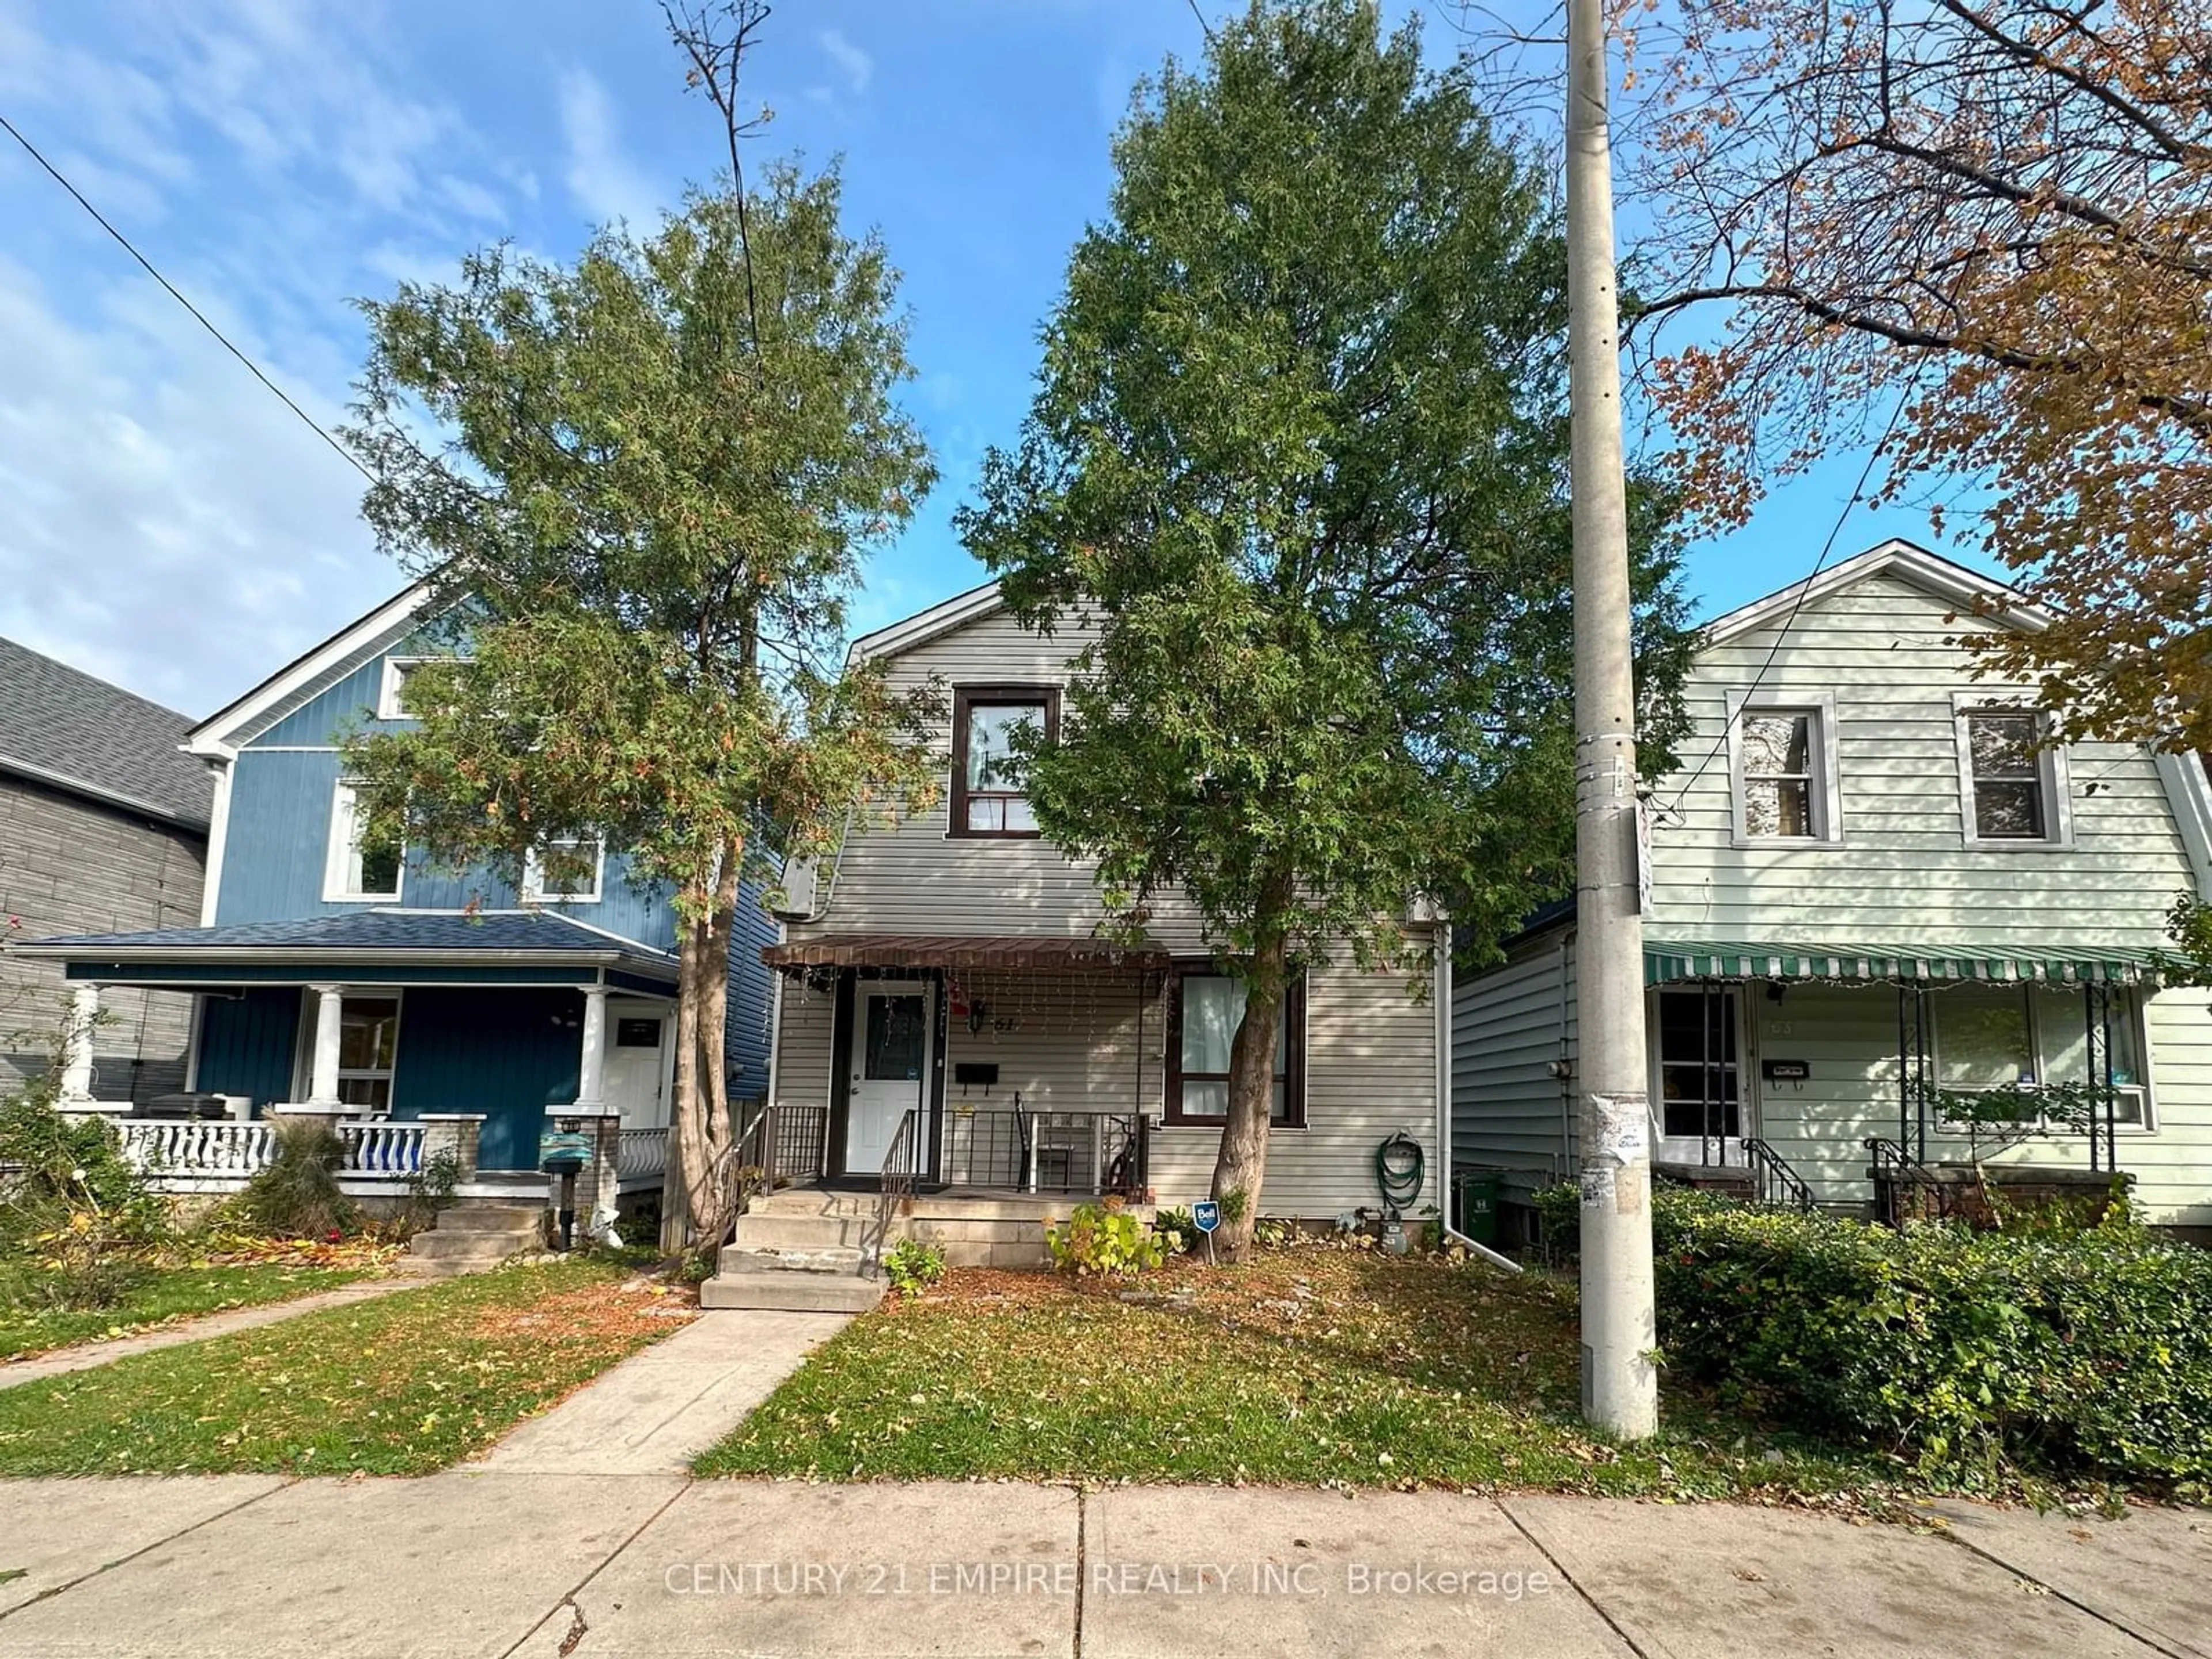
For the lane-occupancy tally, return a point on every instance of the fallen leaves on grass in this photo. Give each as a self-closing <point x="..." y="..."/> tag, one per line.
<point x="407" y="1383"/>
<point x="1306" y="1367"/>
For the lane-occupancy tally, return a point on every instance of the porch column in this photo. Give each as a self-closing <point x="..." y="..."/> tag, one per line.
<point x="76" y="1042"/>
<point x="322" y="1075"/>
<point x="591" y="1072"/>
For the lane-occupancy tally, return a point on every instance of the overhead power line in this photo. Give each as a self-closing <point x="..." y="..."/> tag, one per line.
<point x="199" y="316"/>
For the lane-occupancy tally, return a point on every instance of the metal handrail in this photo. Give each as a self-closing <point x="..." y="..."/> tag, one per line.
<point x="898" y="1179"/>
<point x="1773" y="1172"/>
<point x="1902" y="1169"/>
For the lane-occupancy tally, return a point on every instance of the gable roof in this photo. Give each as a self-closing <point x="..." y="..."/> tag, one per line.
<point x="62" y="727"/>
<point x="926" y="625"/>
<point x="1969" y="590"/>
<point x="309" y="674"/>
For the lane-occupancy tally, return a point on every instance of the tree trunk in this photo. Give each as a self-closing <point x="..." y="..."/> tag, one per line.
<point x="711" y="1219"/>
<point x="688" y="1114"/>
<point x="1242" y="1167"/>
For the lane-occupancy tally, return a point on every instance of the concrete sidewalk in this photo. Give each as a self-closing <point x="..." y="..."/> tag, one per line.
<point x="577" y="1566"/>
<point x="84" y="1357"/>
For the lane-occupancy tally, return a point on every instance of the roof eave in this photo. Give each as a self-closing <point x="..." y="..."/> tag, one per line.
<point x="76" y="785"/>
<point x="1943" y="577"/>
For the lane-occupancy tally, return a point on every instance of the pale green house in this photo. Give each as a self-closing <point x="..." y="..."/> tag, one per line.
<point x="1868" y="882"/>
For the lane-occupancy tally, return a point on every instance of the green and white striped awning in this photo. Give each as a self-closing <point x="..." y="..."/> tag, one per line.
<point x="1668" y="960"/>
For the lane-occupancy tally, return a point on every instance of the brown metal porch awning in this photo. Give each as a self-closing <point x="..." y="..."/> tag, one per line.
<point x="961" y="950"/>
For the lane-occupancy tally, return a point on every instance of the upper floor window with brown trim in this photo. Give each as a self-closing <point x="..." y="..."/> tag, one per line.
<point x="988" y="796"/>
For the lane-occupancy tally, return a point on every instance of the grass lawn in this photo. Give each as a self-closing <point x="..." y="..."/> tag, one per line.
<point x="167" y="1294"/>
<point x="1307" y="1366"/>
<point x="403" y="1384"/>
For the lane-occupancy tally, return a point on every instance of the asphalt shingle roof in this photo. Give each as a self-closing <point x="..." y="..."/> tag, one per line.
<point x="59" y="723"/>
<point x="370" y="931"/>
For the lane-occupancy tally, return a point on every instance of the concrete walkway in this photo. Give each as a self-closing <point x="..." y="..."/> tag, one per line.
<point x="86" y="1356"/>
<point x="660" y="1408"/>
<point x="568" y="1566"/>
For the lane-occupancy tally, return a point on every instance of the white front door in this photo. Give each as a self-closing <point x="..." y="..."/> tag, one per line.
<point x="893" y="1039"/>
<point x="1699" y="1107"/>
<point x="636" y="1068"/>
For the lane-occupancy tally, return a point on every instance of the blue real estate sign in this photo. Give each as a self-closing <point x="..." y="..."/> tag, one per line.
<point x="1206" y="1215"/>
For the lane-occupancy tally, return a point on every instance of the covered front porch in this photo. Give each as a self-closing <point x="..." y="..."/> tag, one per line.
<point x="991" y="1068"/>
<point x="1867" y="1077"/>
<point x="417" y="1038"/>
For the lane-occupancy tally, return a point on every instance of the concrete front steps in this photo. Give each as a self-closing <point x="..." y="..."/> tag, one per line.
<point x="815" y="1248"/>
<point x="468" y="1237"/>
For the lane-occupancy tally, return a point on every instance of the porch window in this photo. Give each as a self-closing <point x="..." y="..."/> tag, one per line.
<point x="1783" y="758"/>
<point x="567" y="870"/>
<point x="369" y="1043"/>
<point x="1202" y="1020"/>
<point x="2003" y="1037"/>
<point x="359" y="868"/>
<point x="988" y="796"/>
<point x="1700" y="1090"/>
<point x="2062" y="1023"/>
<point x="2012" y="788"/>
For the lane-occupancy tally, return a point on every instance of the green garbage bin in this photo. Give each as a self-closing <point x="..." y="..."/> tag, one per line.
<point x="1474" y="1209"/>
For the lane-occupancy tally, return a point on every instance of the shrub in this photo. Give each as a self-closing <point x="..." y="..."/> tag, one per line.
<point x="297" y="1195"/>
<point x="75" y="1215"/>
<point x="1959" y="1351"/>
<point x="1103" y="1238"/>
<point x="912" y="1265"/>
<point x="1560" y="1210"/>
<point x="429" y="1190"/>
<point x="1178" y="1230"/>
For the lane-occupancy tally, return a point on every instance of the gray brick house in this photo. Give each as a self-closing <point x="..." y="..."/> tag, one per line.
<point x="103" y="828"/>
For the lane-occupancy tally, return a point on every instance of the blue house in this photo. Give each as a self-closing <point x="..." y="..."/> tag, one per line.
<point x="389" y="994"/>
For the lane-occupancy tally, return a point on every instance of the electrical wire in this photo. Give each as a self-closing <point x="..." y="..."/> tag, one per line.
<point x="199" y="316"/>
<point x="1804" y="591"/>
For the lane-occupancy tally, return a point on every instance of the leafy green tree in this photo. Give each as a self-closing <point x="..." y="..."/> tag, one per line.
<point x="1296" y="478"/>
<point x="657" y="472"/>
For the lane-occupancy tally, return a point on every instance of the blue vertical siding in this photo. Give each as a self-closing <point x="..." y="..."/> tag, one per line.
<point x="745" y="1045"/>
<point x="246" y="1042"/>
<point x="277" y="848"/>
<point x="507" y="1054"/>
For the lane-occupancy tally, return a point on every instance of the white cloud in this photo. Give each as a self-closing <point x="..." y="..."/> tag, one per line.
<point x="600" y="176"/>
<point x="856" y="65"/>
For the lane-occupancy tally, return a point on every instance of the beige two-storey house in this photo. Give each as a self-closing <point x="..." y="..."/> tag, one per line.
<point x="951" y="1009"/>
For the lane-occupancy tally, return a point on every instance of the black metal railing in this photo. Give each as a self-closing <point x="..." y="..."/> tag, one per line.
<point x="1904" y="1188"/>
<point x="902" y="1163"/>
<point x="1773" y="1181"/>
<point x="1077" y="1153"/>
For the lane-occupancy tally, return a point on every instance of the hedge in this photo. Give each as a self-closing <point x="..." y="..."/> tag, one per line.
<point x="1959" y="1351"/>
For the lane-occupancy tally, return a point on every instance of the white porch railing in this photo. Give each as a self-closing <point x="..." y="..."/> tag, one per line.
<point x="190" y="1146"/>
<point x="385" y="1147"/>
<point x="193" y="1149"/>
<point x="642" y="1157"/>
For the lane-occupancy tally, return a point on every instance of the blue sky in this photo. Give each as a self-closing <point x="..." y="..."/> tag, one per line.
<point x="166" y="524"/>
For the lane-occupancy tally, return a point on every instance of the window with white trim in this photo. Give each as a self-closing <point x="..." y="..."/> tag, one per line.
<point x="358" y="868"/>
<point x="368" y="1048"/>
<point x="1782" y="759"/>
<point x="2003" y="1037"/>
<point x="566" y="870"/>
<point x="2012" y="780"/>
<point x="392" y="693"/>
